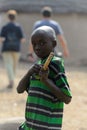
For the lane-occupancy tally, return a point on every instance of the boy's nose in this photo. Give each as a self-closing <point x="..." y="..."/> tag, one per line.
<point x="37" y="46"/>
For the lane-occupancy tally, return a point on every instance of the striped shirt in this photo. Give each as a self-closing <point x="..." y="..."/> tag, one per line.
<point x="43" y="109"/>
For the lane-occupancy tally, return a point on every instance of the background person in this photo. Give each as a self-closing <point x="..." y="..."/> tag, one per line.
<point x="11" y="37"/>
<point x="47" y="13"/>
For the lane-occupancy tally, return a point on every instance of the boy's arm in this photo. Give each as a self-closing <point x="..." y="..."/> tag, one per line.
<point x="23" y="84"/>
<point x="56" y="90"/>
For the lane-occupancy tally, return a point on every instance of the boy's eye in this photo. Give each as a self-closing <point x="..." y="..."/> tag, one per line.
<point x="42" y="43"/>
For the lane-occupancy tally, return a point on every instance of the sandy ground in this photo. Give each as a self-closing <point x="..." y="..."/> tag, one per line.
<point x="75" y="114"/>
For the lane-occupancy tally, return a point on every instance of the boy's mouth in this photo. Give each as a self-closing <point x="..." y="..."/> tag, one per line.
<point x="38" y="52"/>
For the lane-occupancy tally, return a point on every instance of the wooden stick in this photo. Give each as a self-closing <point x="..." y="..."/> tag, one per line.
<point x="45" y="66"/>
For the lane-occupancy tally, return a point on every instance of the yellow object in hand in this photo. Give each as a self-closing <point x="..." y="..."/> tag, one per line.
<point x="45" y="66"/>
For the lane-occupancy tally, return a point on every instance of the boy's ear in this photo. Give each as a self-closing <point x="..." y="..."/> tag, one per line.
<point x="54" y="43"/>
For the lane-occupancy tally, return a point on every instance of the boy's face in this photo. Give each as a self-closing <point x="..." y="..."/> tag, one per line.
<point x="42" y="44"/>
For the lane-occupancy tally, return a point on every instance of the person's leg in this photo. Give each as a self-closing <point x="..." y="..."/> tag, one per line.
<point x="8" y="60"/>
<point x="16" y="56"/>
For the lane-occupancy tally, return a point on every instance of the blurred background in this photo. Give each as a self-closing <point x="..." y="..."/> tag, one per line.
<point x="72" y="16"/>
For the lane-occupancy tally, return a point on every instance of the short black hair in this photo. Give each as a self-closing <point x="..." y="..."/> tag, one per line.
<point x="46" y="11"/>
<point x="46" y="29"/>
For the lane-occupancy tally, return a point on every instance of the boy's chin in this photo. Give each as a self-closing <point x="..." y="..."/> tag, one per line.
<point x="43" y="56"/>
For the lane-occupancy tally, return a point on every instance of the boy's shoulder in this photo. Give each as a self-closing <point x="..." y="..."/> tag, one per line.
<point x="57" y="59"/>
<point x="58" y="63"/>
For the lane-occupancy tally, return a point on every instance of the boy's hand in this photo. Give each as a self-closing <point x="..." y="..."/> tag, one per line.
<point x="35" y="69"/>
<point x="43" y="74"/>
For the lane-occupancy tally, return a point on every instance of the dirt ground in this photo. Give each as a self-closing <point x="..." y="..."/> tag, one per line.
<point x="75" y="114"/>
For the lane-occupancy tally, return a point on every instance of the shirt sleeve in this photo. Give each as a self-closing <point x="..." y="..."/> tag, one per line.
<point x="36" y="25"/>
<point x="58" y="29"/>
<point x="61" y="79"/>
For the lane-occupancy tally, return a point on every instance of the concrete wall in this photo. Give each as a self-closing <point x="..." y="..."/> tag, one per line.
<point x="59" y="6"/>
<point x="75" y="31"/>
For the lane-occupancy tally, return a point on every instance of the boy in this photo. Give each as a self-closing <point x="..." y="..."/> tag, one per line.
<point x="47" y="90"/>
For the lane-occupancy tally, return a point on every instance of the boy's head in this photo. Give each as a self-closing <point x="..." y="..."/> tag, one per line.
<point x="11" y="14"/>
<point x="46" y="11"/>
<point x="44" y="41"/>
